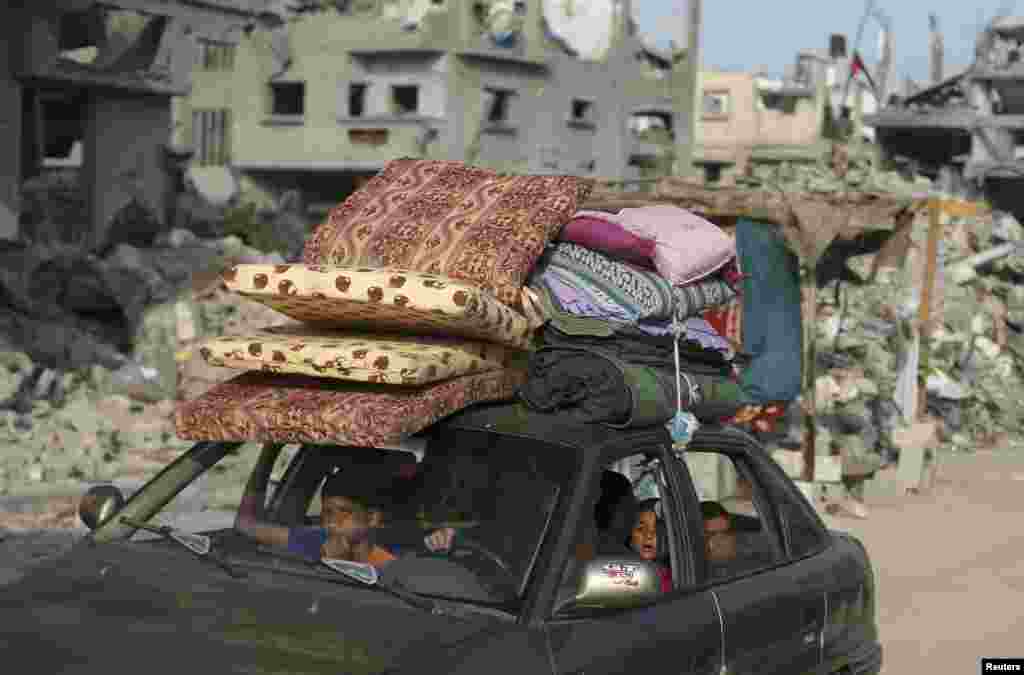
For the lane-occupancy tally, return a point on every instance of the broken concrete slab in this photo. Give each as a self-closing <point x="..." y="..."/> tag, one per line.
<point x="915" y="443"/>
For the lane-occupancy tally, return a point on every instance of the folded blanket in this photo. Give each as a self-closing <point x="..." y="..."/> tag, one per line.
<point x="585" y="282"/>
<point x="590" y="385"/>
<point x="692" y="299"/>
<point x="589" y="283"/>
<point x="699" y="330"/>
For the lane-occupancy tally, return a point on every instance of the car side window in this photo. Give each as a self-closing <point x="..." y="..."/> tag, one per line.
<point x="627" y="520"/>
<point x="739" y="537"/>
<point x="805" y="533"/>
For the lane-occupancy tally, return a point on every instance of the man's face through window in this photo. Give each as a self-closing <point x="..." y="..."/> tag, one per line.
<point x="719" y="539"/>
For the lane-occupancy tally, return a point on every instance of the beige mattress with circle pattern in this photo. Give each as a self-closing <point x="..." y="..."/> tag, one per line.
<point x="380" y="301"/>
<point x="303" y="350"/>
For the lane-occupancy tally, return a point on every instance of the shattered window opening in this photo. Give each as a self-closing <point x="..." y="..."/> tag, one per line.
<point x="498" y="104"/>
<point x="779" y="102"/>
<point x="374" y="137"/>
<point x="405" y="99"/>
<point x="581" y="110"/>
<point x="652" y="126"/>
<point x="715" y="104"/>
<point x="581" y="115"/>
<point x="713" y="173"/>
<point x="357" y="99"/>
<point x="210" y="136"/>
<point x="219" y="56"/>
<point x="289" y="98"/>
<point x="81" y="35"/>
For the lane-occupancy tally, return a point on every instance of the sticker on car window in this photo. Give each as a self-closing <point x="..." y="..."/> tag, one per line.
<point x="622" y="574"/>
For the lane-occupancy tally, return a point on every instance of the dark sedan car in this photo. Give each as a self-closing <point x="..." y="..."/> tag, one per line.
<point x="577" y="549"/>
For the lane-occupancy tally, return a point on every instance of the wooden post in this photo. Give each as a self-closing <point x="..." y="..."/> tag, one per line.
<point x="934" y="232"/>
<point x="808" y="319"/>
<point x="924" y="312"/>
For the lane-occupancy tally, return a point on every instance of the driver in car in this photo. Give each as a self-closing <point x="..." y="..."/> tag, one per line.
<point x="353" y="505"/>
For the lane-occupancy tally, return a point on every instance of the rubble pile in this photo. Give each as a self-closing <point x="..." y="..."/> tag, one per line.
<point x="834" y="174"/>
<point x="113" y="417"/>
<point x="969" y="372"/>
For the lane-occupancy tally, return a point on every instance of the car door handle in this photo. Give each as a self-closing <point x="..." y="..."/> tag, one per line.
<point x="810" y="638"/>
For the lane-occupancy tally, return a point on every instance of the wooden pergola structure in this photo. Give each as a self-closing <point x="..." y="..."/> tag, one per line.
<point x="809" y="223"/>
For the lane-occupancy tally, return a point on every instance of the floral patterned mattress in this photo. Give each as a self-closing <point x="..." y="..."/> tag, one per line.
<point x="275" y="408"/>
<point x="303" y="350"/>
<point x="381" y="300"/>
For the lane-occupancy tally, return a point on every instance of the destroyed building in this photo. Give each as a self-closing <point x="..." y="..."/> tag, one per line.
<point x="750" y="118"/>
<point x="967" y="128"/>
<point x="99" y="76"/>
<point x="320" y="103"/>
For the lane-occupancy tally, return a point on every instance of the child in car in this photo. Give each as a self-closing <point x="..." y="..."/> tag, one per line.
<point x="644" y="542"/>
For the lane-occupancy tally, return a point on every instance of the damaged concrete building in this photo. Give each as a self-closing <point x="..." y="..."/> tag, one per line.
<point x="98" y="76"/>
<point x="323" y="101"/>
<point x="751" y="118"/>
<point x="968" y="129"/>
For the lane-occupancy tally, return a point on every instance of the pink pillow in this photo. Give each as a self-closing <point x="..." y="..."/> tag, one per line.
<point x="688" y="247"/>
<point x="608" y="237"/>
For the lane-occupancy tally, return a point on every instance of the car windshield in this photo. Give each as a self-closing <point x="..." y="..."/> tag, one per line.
<point x="493" y="495"/>
<point x="489" y="496"/>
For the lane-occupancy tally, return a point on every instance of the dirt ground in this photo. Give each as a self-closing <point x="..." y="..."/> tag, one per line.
<point x="949" y="566"/>
<point x="948" y="562"/>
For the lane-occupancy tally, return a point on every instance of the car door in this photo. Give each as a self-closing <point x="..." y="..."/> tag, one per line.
<point x="772" y="618"/>
<point x="814" y="560"/>
<point x="680" y="633"/>
<point x="833" y="564"/>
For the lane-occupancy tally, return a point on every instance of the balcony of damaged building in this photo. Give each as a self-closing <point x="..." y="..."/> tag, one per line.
<point x="107" y="238"/>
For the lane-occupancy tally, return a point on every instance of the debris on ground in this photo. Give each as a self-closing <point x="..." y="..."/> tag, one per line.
<point x="99" y="420"/>
<point x="969" y="374"/>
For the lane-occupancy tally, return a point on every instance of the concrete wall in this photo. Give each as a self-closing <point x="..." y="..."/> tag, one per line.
<point x="748" y="124"/>
<point x="507" y="146"/>
<point x="559" y="146"/>
<point x="801" y="127"/>
<point x="331" y="51"/>
<point x="10" y="135"/>
<point x="124" y="155"/>
<point x="726" y="137"/>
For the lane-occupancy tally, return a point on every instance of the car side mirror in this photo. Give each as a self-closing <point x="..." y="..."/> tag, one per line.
<point x="98" y="504"/>
<point x="615" y="583"/>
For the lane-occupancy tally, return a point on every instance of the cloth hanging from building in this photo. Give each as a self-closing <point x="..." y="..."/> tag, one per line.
<point x="772" y="332"/>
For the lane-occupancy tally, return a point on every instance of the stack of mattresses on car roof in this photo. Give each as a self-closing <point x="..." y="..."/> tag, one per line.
<point x="409" y="306"/>
<point x="438" y="285"/>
